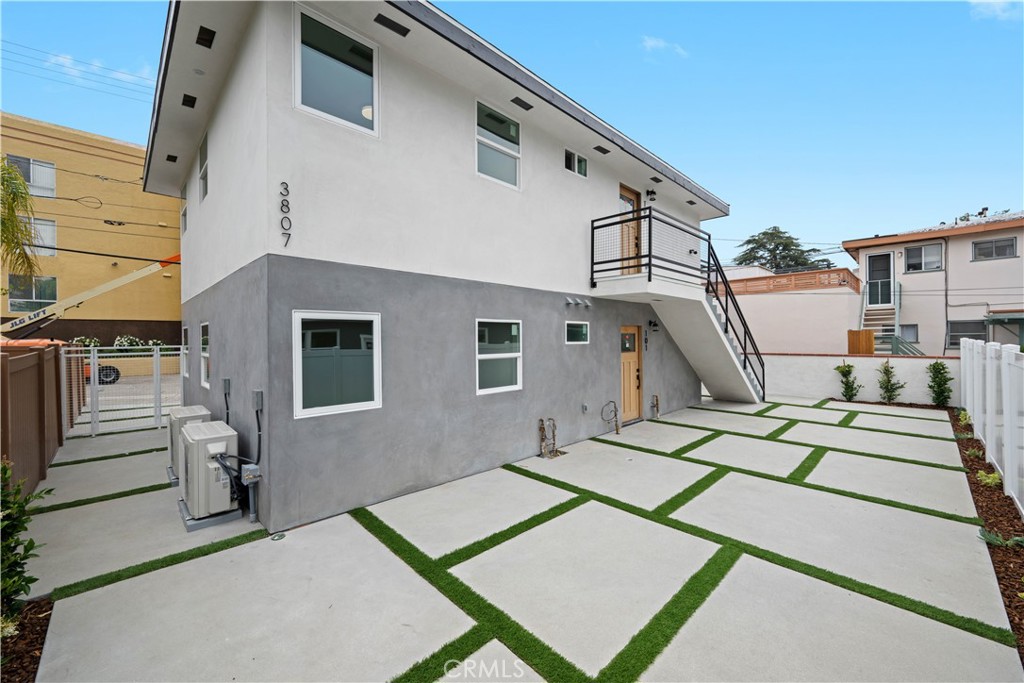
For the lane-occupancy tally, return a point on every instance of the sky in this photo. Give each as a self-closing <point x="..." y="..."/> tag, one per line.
<point x="832" y="120"/>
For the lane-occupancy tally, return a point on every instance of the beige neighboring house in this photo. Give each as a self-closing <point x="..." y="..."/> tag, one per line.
<point x="940" y="284"/>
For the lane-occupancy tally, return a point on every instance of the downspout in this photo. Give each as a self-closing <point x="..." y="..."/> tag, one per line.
<point x="945" y="291"/>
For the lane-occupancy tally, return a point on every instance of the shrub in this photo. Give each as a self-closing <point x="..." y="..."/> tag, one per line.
<point x="154" y="342"/>
<point x="938" y="383"/>
<point x="963" y="418"/>
<point x="973" y="452"/>
<point x="888" y="385"/>
<point x="997" y="539"/>
<point x="990" y="479"/>
<point x="849" y="382"/>
<point x="86" y="341"/>
<point x="14" y="519"/>
<point x="128" y="340"/>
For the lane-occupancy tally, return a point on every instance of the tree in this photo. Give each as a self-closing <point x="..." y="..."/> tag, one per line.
<point x="15" y="227"/>
<point x="775" y="249"/>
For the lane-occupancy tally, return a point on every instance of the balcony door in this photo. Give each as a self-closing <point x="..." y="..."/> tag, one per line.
<point x="629" y="200"/>
<point x="880" y="279"/>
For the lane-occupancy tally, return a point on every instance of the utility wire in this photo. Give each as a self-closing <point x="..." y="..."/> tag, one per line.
<point x="97" y="253"/>
<point x="97" y="218"/>
<point x="122" y="233"/>
<point x="121" y="85"/>
<point x="79" y="85"/>
<point x="72" y="59"/>
<point x="101" y="177"/>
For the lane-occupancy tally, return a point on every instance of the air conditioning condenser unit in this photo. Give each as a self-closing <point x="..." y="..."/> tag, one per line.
<point x="205" y="484"/>
<point x="177" y="417"/>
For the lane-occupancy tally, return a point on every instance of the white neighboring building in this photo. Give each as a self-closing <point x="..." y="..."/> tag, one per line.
<point x="415" y="249"/>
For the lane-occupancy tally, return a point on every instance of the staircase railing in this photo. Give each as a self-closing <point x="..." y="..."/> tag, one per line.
<point x="718" y="287"/>
<point x="898" y="346"/>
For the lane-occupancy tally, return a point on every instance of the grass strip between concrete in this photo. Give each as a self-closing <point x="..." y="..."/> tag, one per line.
<point x="969" y="624"/>
<point x="532" y="650"/>
<point x="464" y="553"/>
<point x="804" y="469"/>
<point x="848" y="419"/>
<point x="820" y="404"/>
<point x="867" y="410"/>
<point x="690" y="492"/>
<point x="817" y="487"/>
<point x="767" y="409"/>
<point x="112" y="456"/>
<point x="844" y="422"/>
<point x="772" y="436"/>
<point x="43" y="509"/>
<point x="62" y="592"/>
<point x="120" y="431"/>
<point x="438" y="665"/>
<point x="644" y="647"/>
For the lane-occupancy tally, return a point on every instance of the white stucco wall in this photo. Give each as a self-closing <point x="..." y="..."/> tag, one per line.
<point x="814" y="376"/>
<point x="806" y="321"/>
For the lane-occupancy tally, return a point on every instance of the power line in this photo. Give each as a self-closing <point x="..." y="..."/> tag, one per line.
<point x="98" y="253"/>
<point x="60" y="71"/>
<point x="97" y="218"/>
<point x="96" y="66"/>
<point x="79" y="85"/>
<point x="64" y="226"/>
<point x="101" y="177"/>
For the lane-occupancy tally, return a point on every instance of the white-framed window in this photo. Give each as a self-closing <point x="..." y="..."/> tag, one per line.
<point x="499" y="356"/>
<point x="184" y="351"/>
<point x="497" y="146"/>
<point x="45" y="235"/>
<point x="336" y="362"/>
<point x="26" y="293"/>
<point x="336" y="72"/>
<point x="577" y="332"/>
<point x="925" y="257"/>
<point x="204" y="168"/>
<point x="987" y="250"/>
<point x="184" y="207"/>
<point x="204" y="355"/>
<point x="574" y="163"/>
<point x="972" y="329"/>
<point x="40" y="176"/>
<point x="909" y="333"/>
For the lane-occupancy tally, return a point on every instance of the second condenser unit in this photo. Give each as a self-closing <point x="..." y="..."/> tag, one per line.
<point x="178" y="417"/>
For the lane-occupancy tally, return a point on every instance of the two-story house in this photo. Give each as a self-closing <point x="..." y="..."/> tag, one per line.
<point x="409" y="249"/>
<point x="934" y="286"/>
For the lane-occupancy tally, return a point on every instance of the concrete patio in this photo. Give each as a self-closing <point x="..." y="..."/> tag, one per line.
<point x="710" y="545"/>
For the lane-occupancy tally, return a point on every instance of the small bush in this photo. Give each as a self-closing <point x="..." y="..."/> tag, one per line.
<point x="964" y="418"/>
<point x="888" y="385"/>
<point x="127" y="340"/>
<point x="86" y="341"/>
<point x="997" y="539"/>
<point x="990" y="479"/>
<point x="849" y="382"/>
<point x="973" y="453"/>
<point x="938" y="383"/>
<point x="14" y="552"/>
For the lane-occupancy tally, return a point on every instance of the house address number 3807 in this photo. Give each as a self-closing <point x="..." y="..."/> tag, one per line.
<point x="285" y="207"/>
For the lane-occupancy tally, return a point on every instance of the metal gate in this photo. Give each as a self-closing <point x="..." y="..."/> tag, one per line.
<point x="117" y="389"/>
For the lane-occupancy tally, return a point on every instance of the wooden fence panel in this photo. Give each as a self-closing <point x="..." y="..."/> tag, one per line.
<point x="31" y="411"/>
<point x="860" y="342"/>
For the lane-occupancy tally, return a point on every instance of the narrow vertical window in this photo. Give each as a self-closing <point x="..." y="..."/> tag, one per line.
<point x="204" y="355"/>
<point x="184" y="351"/>
<point x="203" y="168"/>
<point x="184" y="208"/>
<point x="497" y="146"/>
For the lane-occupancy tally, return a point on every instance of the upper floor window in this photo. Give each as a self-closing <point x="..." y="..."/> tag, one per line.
<point x="204" y="169"/>
<point x="40" y="176"/>
<point x="985" y="250"/>
<point x="45" y="238"/>
<point x="575" y="163"/>
<point x="27" y="293"/>
<point x="184" y="208"/>
<point x="926" y="257"/>
<point x="497" y="146"/>
<point x="336" y="74"/>
<point x="184" y="351"/>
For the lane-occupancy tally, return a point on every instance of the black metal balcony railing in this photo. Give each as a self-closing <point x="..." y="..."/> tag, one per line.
<point x="649" y="243"/>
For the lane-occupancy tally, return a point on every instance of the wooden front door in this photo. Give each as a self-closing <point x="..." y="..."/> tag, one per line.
<point x="629" y="200"/>
<point x="631" y="366"/>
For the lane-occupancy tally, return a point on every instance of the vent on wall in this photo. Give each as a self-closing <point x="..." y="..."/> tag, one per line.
<point x="691" y="202"/>
<point x="602" y="150"/>
<point x="520" y="102"/>
<point x="655" y="179"/>
<point x="205" y="37"/>
<point x="188" y="101"/>
<point x="392" y="25"/>
<point x="172" y="158"/>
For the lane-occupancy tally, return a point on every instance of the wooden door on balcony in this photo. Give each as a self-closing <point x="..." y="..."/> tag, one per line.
<point x="631" y="366"/>
<point x="629" y="200"/>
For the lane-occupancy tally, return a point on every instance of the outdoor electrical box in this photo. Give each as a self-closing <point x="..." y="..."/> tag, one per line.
<point x="205" y="485"/>
<point x="178" y="417"/>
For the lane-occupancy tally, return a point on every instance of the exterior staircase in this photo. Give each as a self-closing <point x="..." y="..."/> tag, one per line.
<point x="885" y="322"/>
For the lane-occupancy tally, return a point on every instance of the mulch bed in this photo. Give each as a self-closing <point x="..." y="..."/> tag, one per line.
<point x="21" y="653"/>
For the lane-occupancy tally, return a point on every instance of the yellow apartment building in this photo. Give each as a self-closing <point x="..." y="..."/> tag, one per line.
<point x="92" y="221"/>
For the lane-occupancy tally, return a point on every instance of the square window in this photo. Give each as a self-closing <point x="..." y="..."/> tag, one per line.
<point x="909" y="333"/>
<point x="575" y="163"/>
<point x="927" y="257"/>
<point x="497" y="146"/>
<point x="44" y="235"/>
<point x="577" y="333"/>
<point x="26" y="293"/>
<point x="499" y="356"/>
<point x="204" y="355"/>
<point x="336" y="362"/>
<point x="336" y="74"/>
<point x="972" y="329"/>
<point x="40" y="176"/>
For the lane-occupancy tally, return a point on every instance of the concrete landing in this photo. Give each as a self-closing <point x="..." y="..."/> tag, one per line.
<point x="745" y="424"/>
<point x="657" y="437"/>
<point x="899" y="411"/>
<point x="111" y="444"/>
<point x="585" y="582"/>
<point x="642" y="479"/>
<point x="808" y="414"/>
<point x="793" y="400"/>
<point x="90" y="479"/>
<point x="758" y="455"/>
<point x="895" y="445"/>
<point x="933" y="560"/>
<point x="453" y="515"/>
<point x="733" y="407"/>
<point x="327" y="602"/>
<point x="766" y="623"/>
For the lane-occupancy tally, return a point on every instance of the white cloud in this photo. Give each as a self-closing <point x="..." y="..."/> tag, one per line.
<point x="77" y="69"/>
<point x="653" y="44"/>
<point x="1001" y="10"/>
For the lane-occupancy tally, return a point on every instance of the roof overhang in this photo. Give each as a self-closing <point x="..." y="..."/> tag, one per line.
<point x="853" y="247"/>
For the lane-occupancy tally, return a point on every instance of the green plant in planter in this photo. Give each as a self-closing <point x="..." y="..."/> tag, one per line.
<point x="849" y="382"/>
<point x="15" y="552"/>
<point x="997" y="539"/>
<point x="973" y="452"/>
<point x="888" y="385"/>
<point x="990" y="479"/>
<point x="939" y="380"/>
<point x="963" y="418"/>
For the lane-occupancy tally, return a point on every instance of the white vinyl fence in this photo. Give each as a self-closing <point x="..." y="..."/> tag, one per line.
<point x="992" y="392"/>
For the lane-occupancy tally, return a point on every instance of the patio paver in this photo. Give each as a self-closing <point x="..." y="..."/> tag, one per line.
<point x="927" y="487"/>
<point x="792" y="400"/>
<point x="934" y="560"/>
<point x="899" y="411"/>
<point x="907" y="425"/>
<point x="766" y="623"/>
<point x="733" y="407"/>
<point x="758" y="455"/>
<point x="894" y="445"/>
<point x="745" y="424"/>
<point x="642" y="479"/>
<point x="493" y="662"/>
<point x="111" y="444"/>
<point x="450" y="516"/>
<point x="90" y="479"/>
<point x="586" y="581"/>
<point x="658" y="437"/>
<point x="327" y="602"/>
<point x="805" y="413"/>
